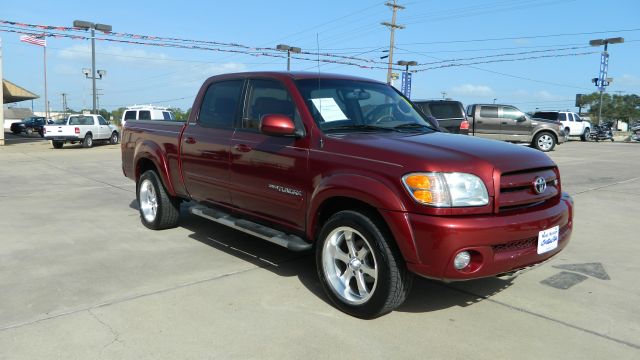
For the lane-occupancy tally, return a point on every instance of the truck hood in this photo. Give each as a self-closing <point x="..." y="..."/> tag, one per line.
<point x="443" y="152"/>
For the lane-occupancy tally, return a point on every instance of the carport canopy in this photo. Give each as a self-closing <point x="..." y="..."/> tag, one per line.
<point x="14" y="93"/>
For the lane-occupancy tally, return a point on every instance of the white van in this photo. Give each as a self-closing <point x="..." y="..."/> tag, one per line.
<point x="146" y="112"/>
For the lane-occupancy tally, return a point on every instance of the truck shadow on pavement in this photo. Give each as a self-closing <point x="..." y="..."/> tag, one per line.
<point x="13" y="139"/>
<point x="426" y="295"/>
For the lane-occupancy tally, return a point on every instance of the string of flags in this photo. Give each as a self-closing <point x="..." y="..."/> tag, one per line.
<point x="38" y="34"/>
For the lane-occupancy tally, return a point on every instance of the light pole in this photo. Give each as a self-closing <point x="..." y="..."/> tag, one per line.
<point x="289" y="50"/>
<point x="602" y="81"/>
<point x="494" y="100"/>
<point x="86" y="25"/>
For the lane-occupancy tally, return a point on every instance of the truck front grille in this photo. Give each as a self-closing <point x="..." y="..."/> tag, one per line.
<point x="517" y="189"/>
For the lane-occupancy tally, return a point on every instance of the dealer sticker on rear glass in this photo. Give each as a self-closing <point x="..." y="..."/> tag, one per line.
<point x="548" y="239"/>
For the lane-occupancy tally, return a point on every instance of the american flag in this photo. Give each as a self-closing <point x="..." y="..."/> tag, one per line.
<point x="33" y="39"/>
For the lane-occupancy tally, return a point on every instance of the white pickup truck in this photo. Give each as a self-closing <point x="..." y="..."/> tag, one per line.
<point x="81" y="128"/>
<point x="572" y="123"/>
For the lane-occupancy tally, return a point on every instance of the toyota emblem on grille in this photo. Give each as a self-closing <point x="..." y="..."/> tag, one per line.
<point x="539" y="185"/>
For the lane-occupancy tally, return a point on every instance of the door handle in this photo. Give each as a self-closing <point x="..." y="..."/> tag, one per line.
<point x="504" y="123"/>
<point x="190" y="140"/>
<point x="242" y="147"/>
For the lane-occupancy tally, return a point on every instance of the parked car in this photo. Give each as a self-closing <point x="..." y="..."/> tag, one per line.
<point x="450" y="114"/>
<point x="29" y="126"/>
<point x="146" y="112"/>
<point x="83" y="129"/>
<point x="349" y="167"/>
<point x="508" y="123"/>
<point x="572" y="123"/>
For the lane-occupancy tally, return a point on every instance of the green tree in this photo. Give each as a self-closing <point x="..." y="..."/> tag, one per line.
<point x="179" y="114"/>
<point x="116" y="115"/>
<point x="614" y="107"/>
<point x="105" y="114"/>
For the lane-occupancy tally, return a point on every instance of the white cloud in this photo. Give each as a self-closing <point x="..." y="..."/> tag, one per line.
<point x="627" y="80"/>
<point x="113" y="53"/>
<point x="471" y="90"/>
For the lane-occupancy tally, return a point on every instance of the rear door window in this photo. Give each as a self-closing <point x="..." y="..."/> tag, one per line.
<point x="489" y="111"/>
<point x="144" y="115"/>
<point x="166" y="115"/>
<point x="562" y="117"/>
<point x="220" y="104"/>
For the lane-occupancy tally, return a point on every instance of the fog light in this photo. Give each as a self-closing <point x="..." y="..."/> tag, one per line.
<point x="462" y="260"/>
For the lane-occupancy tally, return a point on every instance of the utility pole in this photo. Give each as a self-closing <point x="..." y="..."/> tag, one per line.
<point x="64" y="105"/>
<point x="98" y="94"/>
<point x="444" y="94"/>
<point x="392" y="26"/>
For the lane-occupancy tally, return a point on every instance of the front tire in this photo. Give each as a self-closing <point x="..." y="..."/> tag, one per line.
<point x="88" y="141"/>
<point x="359" y="267"/>
<point x="586" y="135"/>
<point x="29" y="131"/>
<point x="158" y="210"/>
<point x="544" y="141"/>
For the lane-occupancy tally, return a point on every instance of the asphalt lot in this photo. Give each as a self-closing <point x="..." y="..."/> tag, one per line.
<point x="81" y="278"/>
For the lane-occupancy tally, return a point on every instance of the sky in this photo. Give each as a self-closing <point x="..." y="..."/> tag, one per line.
<point x="546" y="43"/>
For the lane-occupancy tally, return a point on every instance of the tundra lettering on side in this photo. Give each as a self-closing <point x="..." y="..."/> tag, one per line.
<point x="347" y="167"/>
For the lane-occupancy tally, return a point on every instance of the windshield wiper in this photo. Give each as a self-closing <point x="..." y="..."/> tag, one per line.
<point x="359" y="127"/>
<point x="413" y="126"/>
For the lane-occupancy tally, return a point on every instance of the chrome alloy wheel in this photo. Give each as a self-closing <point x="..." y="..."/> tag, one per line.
<point x="545" y="142"/>
<point x="349" y="265"/>
<point x="148" y="201"/>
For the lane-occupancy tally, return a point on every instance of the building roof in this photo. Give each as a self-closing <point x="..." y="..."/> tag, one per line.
<point x="14" y="93"/>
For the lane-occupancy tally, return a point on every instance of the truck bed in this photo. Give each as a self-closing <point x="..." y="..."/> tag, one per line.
<point x="149" y="137"/>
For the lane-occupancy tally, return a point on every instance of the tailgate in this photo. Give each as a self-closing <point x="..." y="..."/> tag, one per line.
<point x="452" y="126"/>
<point x="60" y="130"/>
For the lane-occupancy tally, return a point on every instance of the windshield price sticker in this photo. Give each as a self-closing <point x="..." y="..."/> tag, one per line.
<point x="548" y="239"/>
<point x="329" y="109"/>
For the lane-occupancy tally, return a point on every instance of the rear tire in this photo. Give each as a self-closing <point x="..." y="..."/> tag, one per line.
<point x="88" y="141"/>
<point x="158" y="210"/>
<point x="29" y="131"/>
<point x="57" y="144"/>
<point x="359" y="267"/>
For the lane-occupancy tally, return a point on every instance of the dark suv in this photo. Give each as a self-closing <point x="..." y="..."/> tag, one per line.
<point x="29" y="126"/>
<point x="449" y="113"/>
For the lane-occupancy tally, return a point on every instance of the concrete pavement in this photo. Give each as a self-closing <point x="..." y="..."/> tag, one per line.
<point x="81" y="278"/>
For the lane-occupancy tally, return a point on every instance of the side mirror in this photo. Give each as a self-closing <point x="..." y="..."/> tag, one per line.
<point x="522" y="118"/>
<point x="277" y="125"/>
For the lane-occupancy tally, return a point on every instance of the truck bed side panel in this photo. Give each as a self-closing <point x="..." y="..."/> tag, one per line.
<point x="158" y="141"/>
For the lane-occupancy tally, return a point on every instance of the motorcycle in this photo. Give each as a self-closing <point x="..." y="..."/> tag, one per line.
<point x="635" y="132"/>
<point x="601" y="132"/>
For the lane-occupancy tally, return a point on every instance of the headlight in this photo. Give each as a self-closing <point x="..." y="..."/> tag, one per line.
<point x="446" y="189"/>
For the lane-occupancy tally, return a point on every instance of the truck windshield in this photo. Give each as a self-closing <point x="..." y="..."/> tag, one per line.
<point x="341" y="105"/>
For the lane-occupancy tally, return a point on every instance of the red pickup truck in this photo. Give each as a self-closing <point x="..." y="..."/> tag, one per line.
<point x="350" y="167"/>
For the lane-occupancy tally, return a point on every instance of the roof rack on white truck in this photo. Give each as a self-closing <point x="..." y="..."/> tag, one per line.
<point x="146" y="112"/>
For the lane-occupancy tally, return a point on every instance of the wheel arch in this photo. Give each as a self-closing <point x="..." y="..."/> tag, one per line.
<point x="148" y="156"/>
<point x="346" y="192"/>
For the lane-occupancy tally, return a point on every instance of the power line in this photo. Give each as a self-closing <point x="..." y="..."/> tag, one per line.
<point x="520" y="37"/>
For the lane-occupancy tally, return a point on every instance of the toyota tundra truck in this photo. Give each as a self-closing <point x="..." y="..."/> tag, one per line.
<point x="348" y="167"/>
